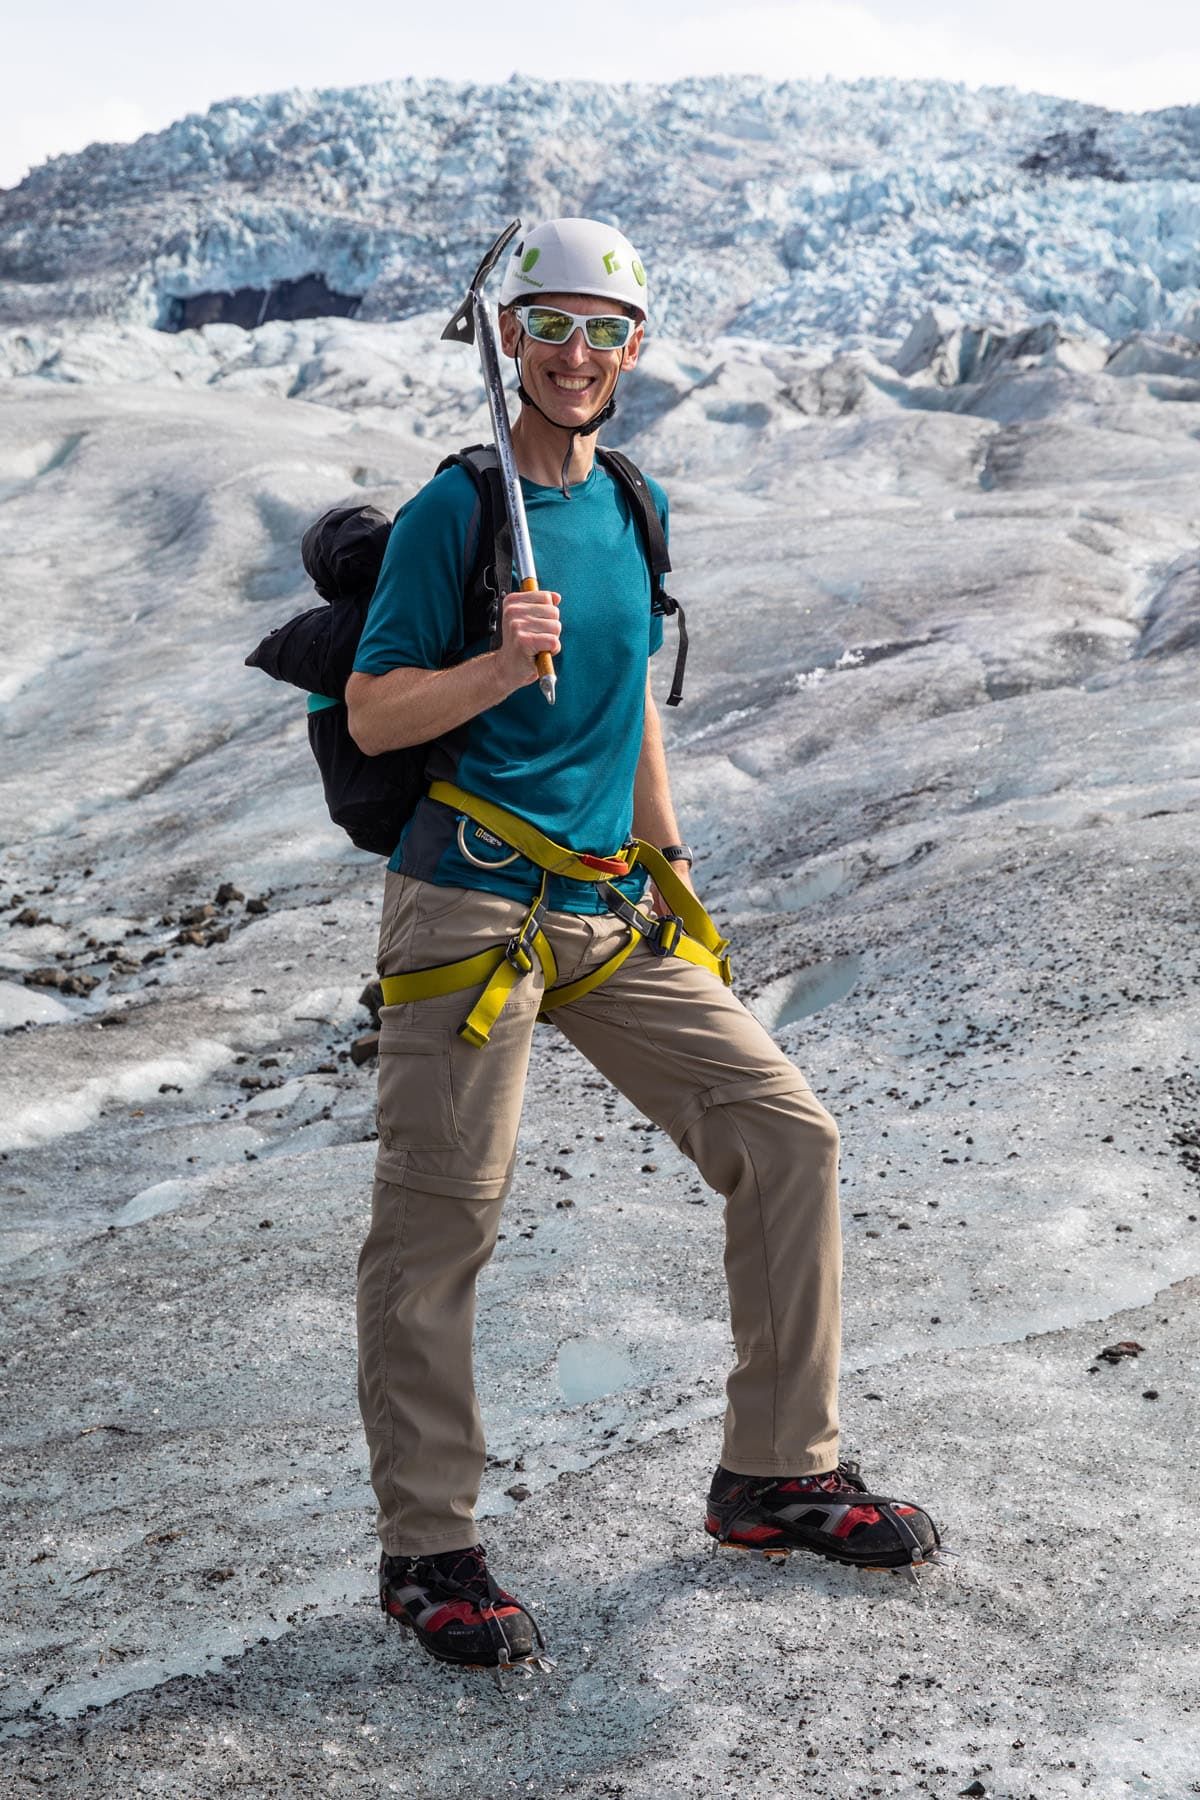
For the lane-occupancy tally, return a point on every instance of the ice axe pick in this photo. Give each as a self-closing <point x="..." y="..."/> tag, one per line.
<point x="471" y="325"/>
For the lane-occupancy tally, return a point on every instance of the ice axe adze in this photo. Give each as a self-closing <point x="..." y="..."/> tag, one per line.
<point x="471" y="325"/>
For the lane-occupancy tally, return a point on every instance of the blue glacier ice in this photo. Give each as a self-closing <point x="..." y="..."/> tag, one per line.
<point x="798" y="212"/>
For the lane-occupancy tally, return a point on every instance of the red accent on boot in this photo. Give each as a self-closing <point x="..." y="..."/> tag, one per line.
<point x="857" y="1515"/>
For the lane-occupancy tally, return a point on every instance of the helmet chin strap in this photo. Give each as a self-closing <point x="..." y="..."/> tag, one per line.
<point x="573" y="431"/>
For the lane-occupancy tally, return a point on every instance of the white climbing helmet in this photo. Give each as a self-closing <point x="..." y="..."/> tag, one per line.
<point x="575" y="256"/>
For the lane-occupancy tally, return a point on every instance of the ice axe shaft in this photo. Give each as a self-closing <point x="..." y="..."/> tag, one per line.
<point x="471" y="325"/>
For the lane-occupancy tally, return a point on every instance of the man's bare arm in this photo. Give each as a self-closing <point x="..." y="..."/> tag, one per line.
<point x="412" y="706"/>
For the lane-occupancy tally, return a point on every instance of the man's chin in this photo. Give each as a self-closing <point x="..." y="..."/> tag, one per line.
<point x="570" y="411"/>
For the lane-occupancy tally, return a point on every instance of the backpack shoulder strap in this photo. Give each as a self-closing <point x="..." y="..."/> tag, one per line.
<point x="489" y="542"/>
<point x="632" y="482"/>
<point x="630" y="479"/>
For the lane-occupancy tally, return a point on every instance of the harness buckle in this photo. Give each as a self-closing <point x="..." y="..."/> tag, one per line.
<point x="665" y="938"/>
<point x="519" y="948"/>
<point x="517" y="953"/>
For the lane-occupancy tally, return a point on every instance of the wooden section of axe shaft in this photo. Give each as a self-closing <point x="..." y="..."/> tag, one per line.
<point x="543" y="659"/>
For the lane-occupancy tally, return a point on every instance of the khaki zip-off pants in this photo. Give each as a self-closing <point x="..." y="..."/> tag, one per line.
<point x="689" y="1056"/>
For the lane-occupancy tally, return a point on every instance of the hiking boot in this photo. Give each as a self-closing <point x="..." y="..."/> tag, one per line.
<point x="456" y="1611"/>
<point x="831" y="1514"/>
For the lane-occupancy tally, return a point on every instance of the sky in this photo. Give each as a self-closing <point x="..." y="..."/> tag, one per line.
<point x="75" y="72"/>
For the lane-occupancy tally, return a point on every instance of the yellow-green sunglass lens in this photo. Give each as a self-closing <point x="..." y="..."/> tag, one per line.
<point x="607" y="334"/>
<point x="551" y="327"/>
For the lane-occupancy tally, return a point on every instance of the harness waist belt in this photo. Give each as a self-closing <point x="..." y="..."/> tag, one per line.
<point x="687" y="932"/>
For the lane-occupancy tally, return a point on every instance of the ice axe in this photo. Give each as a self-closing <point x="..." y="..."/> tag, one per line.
<point x="471" y="325"/>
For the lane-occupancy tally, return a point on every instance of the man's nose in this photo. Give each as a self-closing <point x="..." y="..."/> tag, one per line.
<point x="575" y="349"/>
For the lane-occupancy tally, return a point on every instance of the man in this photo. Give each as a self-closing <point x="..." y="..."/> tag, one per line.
<point x="663" y="1027"/>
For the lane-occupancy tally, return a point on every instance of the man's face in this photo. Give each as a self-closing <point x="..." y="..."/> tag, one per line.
<point x="571" y="382"/>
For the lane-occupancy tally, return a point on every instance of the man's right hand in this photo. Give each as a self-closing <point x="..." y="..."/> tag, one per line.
<point x="530" y="624"/>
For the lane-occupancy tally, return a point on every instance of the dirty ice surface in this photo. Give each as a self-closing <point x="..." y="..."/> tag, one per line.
<point x="941" y="759"/>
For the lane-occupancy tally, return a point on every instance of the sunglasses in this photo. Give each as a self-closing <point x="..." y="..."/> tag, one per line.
<point x="550" y="325"/>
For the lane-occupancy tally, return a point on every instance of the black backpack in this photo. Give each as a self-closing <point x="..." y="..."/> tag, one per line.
<point x="373" y="797"/>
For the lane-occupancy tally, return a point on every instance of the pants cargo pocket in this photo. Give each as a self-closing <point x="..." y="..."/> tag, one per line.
<point x="448" y="1111"/>
<point x="416" y="1095"/>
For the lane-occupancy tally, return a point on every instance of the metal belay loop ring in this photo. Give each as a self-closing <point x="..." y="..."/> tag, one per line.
<point x="479" y="861"/>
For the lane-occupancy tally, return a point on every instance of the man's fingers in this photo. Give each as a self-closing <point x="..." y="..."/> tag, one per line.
<point x="537" y="598"/>
<point x="531" y="626"/>
<point x="532" y="621"/>
<point x="538" y="624"/>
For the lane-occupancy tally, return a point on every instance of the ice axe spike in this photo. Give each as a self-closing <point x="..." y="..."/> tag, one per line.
<point x="471" y="325"/>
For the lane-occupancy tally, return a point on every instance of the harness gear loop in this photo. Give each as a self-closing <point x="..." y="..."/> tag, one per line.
<point x="480" y="862"/>
<point x="686" y="932"/>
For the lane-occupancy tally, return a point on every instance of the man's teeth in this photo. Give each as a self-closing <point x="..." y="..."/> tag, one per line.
<point x="573" y="384"/>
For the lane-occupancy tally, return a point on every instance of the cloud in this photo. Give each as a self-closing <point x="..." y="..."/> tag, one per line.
<point x="809" y="39"/>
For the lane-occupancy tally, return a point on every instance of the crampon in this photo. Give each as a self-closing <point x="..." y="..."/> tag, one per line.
<point x="458" y="1614"/>
<point x="832" y="1515"/>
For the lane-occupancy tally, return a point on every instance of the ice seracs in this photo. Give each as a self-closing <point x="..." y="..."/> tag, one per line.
<point x="792" y="211"/>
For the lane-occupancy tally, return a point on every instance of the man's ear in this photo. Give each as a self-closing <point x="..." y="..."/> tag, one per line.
<point x="510" y="331"/>
<point x="632" y="350"/>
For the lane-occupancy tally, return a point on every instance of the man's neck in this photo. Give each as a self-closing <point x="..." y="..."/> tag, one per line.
<point x="539" y="448"/>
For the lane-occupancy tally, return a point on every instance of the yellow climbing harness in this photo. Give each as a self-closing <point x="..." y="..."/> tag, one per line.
<point x="687" y="931"/>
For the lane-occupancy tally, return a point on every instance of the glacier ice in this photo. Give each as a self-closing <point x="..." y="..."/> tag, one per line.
<point x="796" y="211"/>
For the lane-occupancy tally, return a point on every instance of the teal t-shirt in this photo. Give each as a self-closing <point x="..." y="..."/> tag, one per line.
<point x="569" y="768"/>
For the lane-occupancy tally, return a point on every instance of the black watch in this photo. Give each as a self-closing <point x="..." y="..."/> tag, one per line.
<point x="678" y="853"/>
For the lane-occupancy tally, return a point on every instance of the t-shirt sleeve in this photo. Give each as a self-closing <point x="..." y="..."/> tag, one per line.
<point x="663" y="509"/>
<point x="415" y="619"/>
